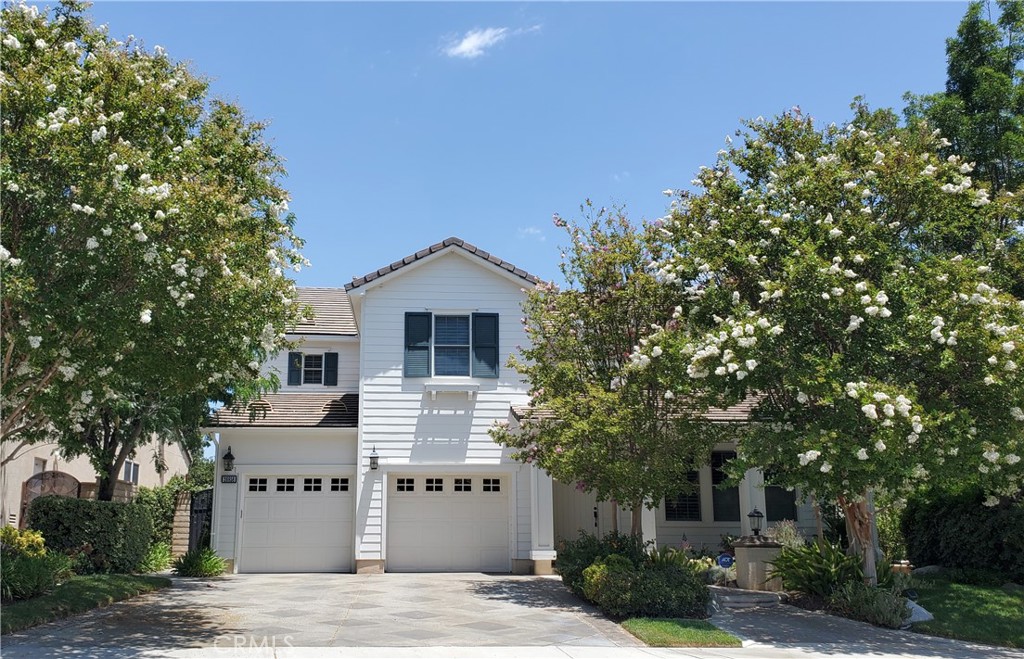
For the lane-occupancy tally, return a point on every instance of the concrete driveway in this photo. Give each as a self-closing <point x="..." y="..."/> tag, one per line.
<point x="324" y="610"/>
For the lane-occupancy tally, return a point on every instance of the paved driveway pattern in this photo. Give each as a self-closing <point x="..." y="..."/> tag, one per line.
<point x="324" y="610"/>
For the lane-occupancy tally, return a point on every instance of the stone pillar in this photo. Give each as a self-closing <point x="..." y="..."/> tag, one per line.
<point x="753" y="555"/>
<point x="542" y="521"/>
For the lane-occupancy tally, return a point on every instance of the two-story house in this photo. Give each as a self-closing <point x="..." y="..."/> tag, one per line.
<point x="375" y="454"/>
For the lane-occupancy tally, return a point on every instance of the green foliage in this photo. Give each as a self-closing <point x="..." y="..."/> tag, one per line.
<point x="23" y="576"/>
<point x="77" y="595"/>
<point x="624" y="433"/>
<point x="145" y="241"/>
<point x="876" y="605"/>
<point x="666" y="556"/>
<point x="987" y="614"/>
<point x="200" y="474"/>
<point x="956" y="530"/>
<point x="787" y="534"/>
<point x="888" y="513"/>
<point x="158" y="558"/>
<point x="22" y="542"/>
<point x="623" y="589"/>
<point x="202" y="562"/>
<point x="160" y="502"/>
<point x="577" y="555"/>
<point x="104" y="536"/>
<point x="816" y="569"/>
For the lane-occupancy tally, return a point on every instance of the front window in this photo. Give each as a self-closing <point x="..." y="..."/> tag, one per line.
<point x="725" y="500"/>
<point x="451" y="345"/>
<point x="312" y="369"/>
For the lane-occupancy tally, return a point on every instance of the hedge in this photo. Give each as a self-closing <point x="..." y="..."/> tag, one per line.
<point x="956" y="530"/>
<point x="102" y="536"/>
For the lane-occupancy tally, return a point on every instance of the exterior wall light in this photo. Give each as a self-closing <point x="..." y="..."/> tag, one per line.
<point x="229" y="460"/>
<point x="374" y="459"/>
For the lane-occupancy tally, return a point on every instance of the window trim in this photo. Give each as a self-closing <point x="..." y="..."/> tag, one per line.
<point x="297" y="368"/>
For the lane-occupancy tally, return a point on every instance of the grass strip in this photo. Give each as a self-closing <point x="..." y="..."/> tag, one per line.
<point x="986" y="614"/>
<point x="77" y="595"/>
<point x="679" y="632"/>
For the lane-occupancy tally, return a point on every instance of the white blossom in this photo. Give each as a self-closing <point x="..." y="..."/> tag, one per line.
<point x="146" y="316"/>
<point x="870" y="411"/>
<point x="92" y="243"/>
<point x="862" y="454"/>
<point x="35" y="341"/>
<point x="825" y="467"/>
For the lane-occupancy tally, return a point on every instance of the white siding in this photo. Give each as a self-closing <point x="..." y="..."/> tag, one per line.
<point x="524" y="491"/>
<point x="408" y="425"/>
<point x="348" y="365"/>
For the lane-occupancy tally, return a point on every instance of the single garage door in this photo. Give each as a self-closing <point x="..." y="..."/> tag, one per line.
<point x="297" y="524"/>
<point x="446" y="523"/>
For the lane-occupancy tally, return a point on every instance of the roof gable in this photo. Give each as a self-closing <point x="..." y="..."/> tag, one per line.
<point x="447" y="243"/>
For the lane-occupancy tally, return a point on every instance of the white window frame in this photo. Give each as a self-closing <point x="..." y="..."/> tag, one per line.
<point x="130" y="472"/>
<point x="305" y="369"/>
<point x="434" y="345"/>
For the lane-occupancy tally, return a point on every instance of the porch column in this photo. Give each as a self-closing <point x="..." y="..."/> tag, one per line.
<point x="542" y="521"/>
<point x="648" y="525"/>
<point x="751" y="496"/>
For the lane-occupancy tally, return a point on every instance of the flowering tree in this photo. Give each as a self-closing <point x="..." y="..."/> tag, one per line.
<point x="144" y="239"/>
<point x="617" y="431"/>
<point x="817" y="271"/>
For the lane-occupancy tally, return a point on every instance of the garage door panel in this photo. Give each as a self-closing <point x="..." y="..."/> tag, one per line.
<point x="464" y="530"/>
<point x="295" y="530"/>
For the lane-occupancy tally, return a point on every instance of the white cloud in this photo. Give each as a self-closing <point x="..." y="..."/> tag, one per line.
<point x="475" y="43"/>
<point x="532" y="233"/>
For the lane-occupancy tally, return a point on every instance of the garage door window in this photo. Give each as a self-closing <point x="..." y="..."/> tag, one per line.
<point x="285" y="484"/>
<point x="406" y="485"/>
<point x="435" y="485"/>
<point x="492" y="485"/>
<point x="257" y="484"/>
<point x="463" y="484"/>
<point x="312" y="484"/>
<point x="339" y="485"/>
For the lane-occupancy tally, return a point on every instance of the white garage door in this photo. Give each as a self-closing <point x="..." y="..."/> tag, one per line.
<point x="297" y="524"/>
<point x="445" y="523"/>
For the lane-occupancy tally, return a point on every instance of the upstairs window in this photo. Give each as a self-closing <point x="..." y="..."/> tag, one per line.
<point x="313" y="368"/>
<point x="131" y="472"/>
<point x="451" y="345"/>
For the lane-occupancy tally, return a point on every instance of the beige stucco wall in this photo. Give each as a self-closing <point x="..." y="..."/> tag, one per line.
<point x="15" y="472"/>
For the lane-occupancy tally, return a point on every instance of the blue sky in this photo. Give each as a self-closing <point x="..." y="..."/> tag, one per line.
<point x="403" y="124"/>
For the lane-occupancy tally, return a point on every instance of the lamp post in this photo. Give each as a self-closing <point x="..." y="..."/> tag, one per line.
<point x="229" y="460"/>
<point x="755" y="516"/>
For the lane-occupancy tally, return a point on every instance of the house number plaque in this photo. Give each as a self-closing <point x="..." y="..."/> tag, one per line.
<point x="229" y="478"/>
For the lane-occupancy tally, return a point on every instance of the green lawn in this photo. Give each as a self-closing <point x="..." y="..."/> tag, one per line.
<point x="987" y="614"/>
<point x="77" y="595"/>
<point x="679" y="632"/>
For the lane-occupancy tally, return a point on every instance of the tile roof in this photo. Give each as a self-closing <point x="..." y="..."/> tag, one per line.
<point x="298" y="410"/>
<point x="332" y="312"/>
<point x="447" y="242"/>
<point x="741" y="412"/>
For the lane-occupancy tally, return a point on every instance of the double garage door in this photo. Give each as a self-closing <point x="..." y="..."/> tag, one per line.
<point x="448" y="523"/>
<point x="297" y="524"/>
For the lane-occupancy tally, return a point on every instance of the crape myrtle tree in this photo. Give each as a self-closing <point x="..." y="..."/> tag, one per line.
<point x="815" y="273"/>
<point x="981" y="113"/>
<point x="595" y="421"/>
<point x="145" y="236"/>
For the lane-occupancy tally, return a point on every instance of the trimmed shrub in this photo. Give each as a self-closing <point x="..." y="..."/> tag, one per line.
<point x="576" y="556"/>
<point x="23" y="576"/>
<point x="665" y="589"/>
<point x="816" y="569"/>
<point x="160" y="501"/>
<point x="878" y="606"/>
<point x="956" y="530"/>
<point x="158" y="558"/>
<point x="114" y="537"/>
<point x="203" y="562"/>
<point x="22" y="543"/>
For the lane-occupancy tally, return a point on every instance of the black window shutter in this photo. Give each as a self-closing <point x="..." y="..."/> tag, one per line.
<point x="294" y="369"/>
<point x="485" y="345"/>
<point x="331" y="369"/>
<point x="417" y="344"/>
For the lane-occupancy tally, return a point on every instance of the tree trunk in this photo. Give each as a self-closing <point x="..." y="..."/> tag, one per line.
<point x="636" y="522"/>
<point x="858" y="523"/>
